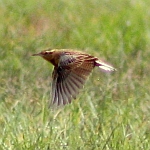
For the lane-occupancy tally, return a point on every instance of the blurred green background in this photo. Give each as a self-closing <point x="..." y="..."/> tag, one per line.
<point x="112" y="112"/>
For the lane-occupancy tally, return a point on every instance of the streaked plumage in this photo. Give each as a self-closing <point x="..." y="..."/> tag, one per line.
<point x="71" y="69"/>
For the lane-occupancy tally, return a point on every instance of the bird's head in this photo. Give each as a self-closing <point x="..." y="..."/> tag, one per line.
<point x="46" y="54"/>
<point x="51" y="55"/>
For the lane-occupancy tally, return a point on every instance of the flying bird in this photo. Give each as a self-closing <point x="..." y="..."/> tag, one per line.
<point x="71" y="69"/>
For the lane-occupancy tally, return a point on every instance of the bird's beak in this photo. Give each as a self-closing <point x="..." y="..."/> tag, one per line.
<point x="38" y="54"/>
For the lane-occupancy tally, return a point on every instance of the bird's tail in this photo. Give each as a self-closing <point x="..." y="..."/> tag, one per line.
<point x="104" y="66"/>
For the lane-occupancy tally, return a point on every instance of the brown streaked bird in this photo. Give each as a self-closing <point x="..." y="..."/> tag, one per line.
<point x="71" y="69"/>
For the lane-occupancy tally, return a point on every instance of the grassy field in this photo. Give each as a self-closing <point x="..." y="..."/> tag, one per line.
<point x="112" y="112"/>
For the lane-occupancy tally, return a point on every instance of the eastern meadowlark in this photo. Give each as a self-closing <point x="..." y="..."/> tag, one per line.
<point x="71" y="69"/>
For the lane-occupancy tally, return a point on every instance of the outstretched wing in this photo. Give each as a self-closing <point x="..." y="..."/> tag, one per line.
<point x="69" y="77"/>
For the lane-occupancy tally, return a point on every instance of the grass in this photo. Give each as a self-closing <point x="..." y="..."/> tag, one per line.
<point x="112" y="111"/>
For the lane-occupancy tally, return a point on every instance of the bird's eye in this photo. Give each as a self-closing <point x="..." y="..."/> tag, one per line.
<point x="45" y="53"/>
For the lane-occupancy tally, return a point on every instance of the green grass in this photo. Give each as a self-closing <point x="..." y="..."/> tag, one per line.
<point x="112" y="112"/>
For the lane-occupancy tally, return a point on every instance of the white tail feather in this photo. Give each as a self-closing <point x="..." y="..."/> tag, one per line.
<point x="104" y="66"/>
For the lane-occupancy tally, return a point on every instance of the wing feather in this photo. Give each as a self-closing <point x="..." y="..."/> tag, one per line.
<point x="64" y="97"/>
<point x="69" y="77"/>
<point x="55" y="98"/>
<point x="67" y="92"/>
<point x="58" y="94"/>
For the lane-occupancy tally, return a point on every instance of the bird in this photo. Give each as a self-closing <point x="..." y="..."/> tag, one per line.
<point x="71" y="70"/>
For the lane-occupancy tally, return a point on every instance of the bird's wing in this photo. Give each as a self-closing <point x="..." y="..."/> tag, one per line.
<point x="69" y="77"/>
